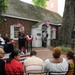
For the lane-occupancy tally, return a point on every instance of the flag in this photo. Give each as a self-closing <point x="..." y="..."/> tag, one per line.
<point x="18" y="25"/>
<point x="29" y="38"/>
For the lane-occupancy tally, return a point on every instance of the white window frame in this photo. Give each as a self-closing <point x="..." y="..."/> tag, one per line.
<point x="12" y="32"/>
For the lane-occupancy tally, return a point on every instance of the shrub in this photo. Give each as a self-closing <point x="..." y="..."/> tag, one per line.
<point x="65" y="48"/>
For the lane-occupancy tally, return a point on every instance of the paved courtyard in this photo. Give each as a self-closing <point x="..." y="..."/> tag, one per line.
<point x="45" y="53"/>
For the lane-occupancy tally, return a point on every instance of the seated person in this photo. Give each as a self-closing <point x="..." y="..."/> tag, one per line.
<point x="2" y="62"/>
<point x="2" y="42"/>
<point x="57" y="63"/>
<point x="71" y="62"/>
<point x="33" y="63"/>
<point x="13" y="66"/>
<point x="8" y="45"/>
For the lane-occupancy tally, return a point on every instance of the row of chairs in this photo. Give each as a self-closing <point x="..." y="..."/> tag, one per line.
<point x="49" y="73"/>
<point x="40" y="73"/>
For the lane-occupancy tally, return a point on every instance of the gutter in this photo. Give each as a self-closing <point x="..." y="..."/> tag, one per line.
<point x="20" y="18"/>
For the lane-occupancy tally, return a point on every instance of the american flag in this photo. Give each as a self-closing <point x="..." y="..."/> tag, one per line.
<point x="29" y="38"/>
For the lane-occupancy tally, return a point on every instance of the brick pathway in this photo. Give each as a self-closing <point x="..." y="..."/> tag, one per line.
<point x="45" y="53"/>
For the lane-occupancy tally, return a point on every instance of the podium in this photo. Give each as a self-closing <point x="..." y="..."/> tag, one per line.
<point x="28" y="42"/>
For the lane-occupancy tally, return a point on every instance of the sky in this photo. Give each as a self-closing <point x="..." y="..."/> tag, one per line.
<point x="28" y="1"/>
<point x="61" y="4"/>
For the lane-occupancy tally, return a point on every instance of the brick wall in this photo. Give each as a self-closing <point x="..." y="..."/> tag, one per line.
<point x="5" y="25"/>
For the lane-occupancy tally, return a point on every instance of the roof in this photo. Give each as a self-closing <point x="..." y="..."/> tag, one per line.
<point x="22" y="10"/>
<point x="41" y="23"/>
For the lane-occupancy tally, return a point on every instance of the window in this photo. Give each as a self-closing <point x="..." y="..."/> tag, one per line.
<point x="14" y="32"/>
<point x="53" y="33"/>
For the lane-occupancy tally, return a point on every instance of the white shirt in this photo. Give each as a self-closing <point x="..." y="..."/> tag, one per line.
<point x="33" y="64"/>
<point x="44" y="35"/>
<point x="56" y="67"/>
<point x="2" y="41"/>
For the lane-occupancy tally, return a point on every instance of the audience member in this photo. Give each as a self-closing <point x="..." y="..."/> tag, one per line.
<point x="57" y="63"/>
<point x="2" y="42"/>
<point x="2" y="63"/>
<point x="71" y="62"/>
<point x="13" y="66"/>
<point x="6" y="38"/>
<point x="33" y="63"/>
<point x="8" y="45"/>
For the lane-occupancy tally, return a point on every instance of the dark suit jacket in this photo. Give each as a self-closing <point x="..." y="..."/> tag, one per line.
<point x="2" y="64"/>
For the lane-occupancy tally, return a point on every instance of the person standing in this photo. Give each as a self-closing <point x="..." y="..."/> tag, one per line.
<point x="33" y="63"/>
<point x="21" y="39"/>
<point x="44" y="38"/>
<point x="2" y="62"/>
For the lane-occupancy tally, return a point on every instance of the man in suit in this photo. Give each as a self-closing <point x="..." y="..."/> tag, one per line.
<point x="21" y="39"/>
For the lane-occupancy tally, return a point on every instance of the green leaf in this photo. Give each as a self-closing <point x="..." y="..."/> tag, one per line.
<point x="40" y="3"/>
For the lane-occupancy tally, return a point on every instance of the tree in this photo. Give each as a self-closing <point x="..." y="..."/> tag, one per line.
<point x="41" y="3"/>
<point x="67" y="23"/>
<point x="3" y="6"/>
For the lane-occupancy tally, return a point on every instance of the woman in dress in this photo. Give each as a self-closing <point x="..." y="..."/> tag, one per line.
<point x="71" y="62"/>
<point x="13" y="66"/>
